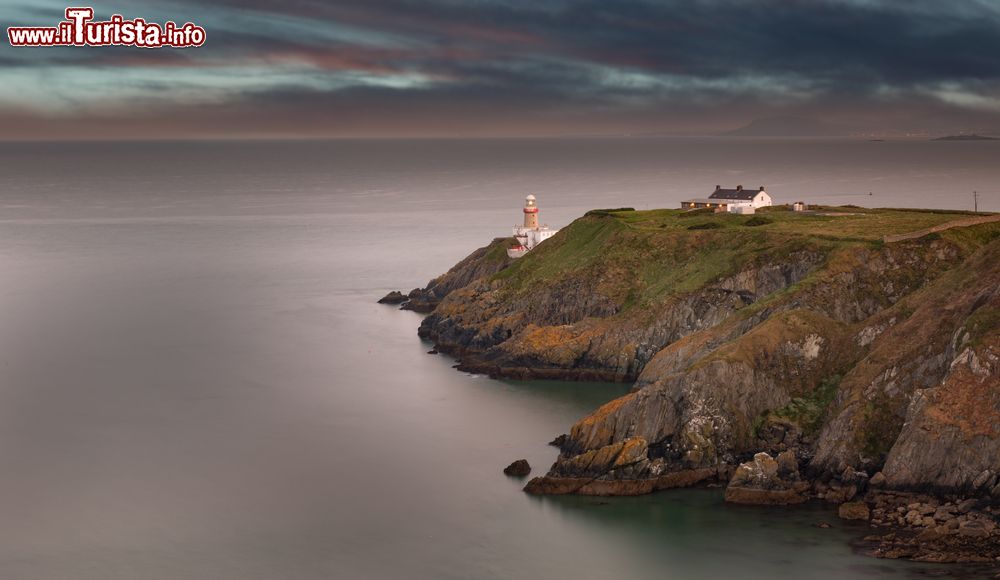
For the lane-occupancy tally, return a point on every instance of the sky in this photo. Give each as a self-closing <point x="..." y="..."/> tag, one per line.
<point x="500" y="68"/>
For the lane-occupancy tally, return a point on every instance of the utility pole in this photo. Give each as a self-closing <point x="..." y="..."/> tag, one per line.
<point x="975" y="200"/>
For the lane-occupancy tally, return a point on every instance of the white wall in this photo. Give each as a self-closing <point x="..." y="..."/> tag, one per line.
<point x="762" y="199"/>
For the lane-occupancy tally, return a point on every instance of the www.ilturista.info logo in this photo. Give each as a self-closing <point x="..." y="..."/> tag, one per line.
<point x="79" y="29"/>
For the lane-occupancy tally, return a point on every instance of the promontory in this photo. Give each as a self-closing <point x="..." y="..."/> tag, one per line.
<point x="790" y="355"/>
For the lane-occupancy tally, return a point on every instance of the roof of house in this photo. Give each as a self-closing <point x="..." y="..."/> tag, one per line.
<point x="740" y="193"/>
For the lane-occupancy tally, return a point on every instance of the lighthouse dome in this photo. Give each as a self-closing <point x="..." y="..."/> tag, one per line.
<point x="530" y="197"/>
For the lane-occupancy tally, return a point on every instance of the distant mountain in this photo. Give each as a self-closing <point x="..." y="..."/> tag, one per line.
<point x="966" y="138"/>
<point x="787" y="127"/>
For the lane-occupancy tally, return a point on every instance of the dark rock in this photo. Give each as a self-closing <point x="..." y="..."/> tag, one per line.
<point x="481" y="263"/>
<point x="519" y="468"/>
<point x="984" y="479"/>
<point x="432" y="351"/>
<point x="549" y="485"/>
<point x="421" y="300"/>
<point x="788" y="465"/>
<point x="394" y="297"/>
<point x="967" y="506"/>
<point x="851" y="476"/>
<point x="558" y="441"/>
<point x="976" y="528"/>
<point x="840" y="493"/>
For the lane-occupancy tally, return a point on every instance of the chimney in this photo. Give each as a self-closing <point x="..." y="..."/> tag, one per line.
<point x="762" y="188"/>
<point x="718" y="187"/>
<point x="739" y="188"/>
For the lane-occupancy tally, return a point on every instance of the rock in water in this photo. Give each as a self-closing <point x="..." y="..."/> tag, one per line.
<point x="854" y="510"/>
<point x="764" y="481"/>
<point x="519" y="468"/>
<point x="394" y="297"/>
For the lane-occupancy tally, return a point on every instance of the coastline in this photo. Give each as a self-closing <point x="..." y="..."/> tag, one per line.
<point x="790" y="315"/>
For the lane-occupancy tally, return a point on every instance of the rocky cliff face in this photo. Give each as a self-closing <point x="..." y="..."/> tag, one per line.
<point x="854" y="354"/>
<point x="484" y="262"/>
<point x="951" y="435"/>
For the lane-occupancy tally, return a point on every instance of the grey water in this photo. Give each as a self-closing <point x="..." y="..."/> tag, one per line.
<point x="196" y="382"/>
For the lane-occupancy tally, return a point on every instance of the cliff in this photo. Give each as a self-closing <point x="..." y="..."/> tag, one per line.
<point x="481" y="263"/>
<point x="790" y="331"/>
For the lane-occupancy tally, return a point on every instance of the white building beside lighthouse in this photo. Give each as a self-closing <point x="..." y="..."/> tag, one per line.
<point x="530" y="234"/>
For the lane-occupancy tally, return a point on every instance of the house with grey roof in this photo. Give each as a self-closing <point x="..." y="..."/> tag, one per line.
<point x="737" y="200"/>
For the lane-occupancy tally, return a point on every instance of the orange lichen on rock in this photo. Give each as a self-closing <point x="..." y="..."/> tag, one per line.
<point x="969" y="400"/>
<point x="596" y="426"/>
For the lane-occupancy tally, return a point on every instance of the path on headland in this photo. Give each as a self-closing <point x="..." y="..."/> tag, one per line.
<point x="940" y="228"/>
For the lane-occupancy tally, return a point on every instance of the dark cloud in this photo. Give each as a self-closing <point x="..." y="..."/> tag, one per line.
<point x="493" y="67"/>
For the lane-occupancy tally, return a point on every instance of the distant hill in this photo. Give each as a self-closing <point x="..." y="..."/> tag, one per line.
<point x="966" y="138"/>
<point x="787" y="127"/>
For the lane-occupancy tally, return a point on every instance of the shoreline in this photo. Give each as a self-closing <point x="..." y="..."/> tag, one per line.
<point x="748" y="372"/>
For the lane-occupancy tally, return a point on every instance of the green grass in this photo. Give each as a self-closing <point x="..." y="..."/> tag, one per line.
<point x="608" y="212"/>
<point x="758" y="221"/>
<point x="497" y="250"/>
<point x="982" y="322"/>
<point x="844" y="223"/>
<point x="641" y="258"/>
<point x="583" y="243"/>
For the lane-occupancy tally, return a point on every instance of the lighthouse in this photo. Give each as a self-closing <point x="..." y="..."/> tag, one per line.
<point x="530" y="234"/>
<point x="530" y="212"/>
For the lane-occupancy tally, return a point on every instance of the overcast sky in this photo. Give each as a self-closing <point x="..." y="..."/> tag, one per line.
<point x="300" y="68"/>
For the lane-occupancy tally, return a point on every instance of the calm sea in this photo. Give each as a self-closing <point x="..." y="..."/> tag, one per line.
<point x="196" y="382"/>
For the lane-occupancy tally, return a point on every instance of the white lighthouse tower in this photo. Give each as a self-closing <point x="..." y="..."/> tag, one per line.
<point x="530" y="234"/>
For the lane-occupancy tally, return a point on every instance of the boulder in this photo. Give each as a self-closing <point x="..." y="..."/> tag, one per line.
<point x="852" y="477"/>
<point x="974" y="529"/>
<point x="765" y="481"/>
<point x="839" y="493"/>
<point x="788" y="465"/>
<point x="877" y="480"/>
<point x="394" y="297"/>
<point x="762" y="473"/>
<point x="986" y="478"/>
<point x="944" y="513"/>
<point x="967" y="506"/>
<point x="854" y="510"/>
<point x="519" y="468"/>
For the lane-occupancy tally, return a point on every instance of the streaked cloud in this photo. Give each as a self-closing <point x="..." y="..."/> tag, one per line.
<point x="444" y="67"/>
